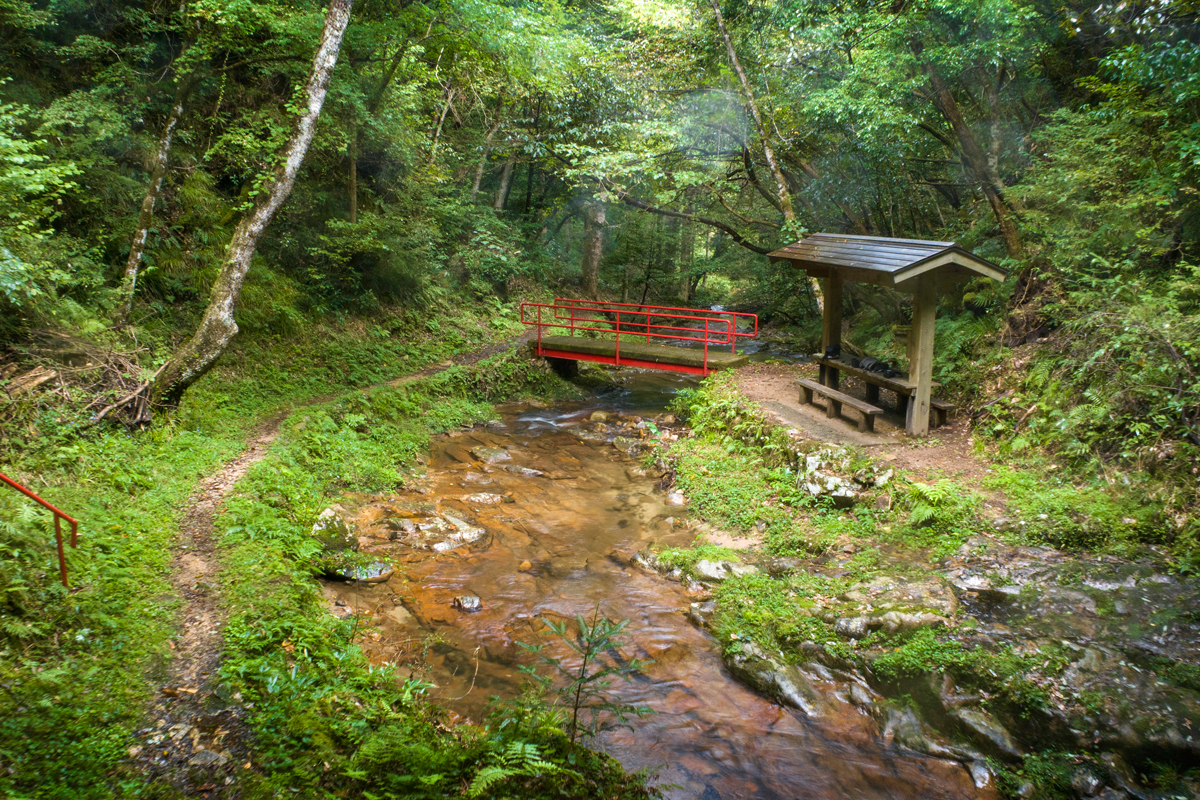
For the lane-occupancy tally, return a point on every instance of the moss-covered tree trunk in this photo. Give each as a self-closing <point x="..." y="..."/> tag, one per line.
<point x="594" y="223"/>
<point x="158" y="170"/>
<point x="218" y="327"/>
<point x="982" y="169"/>
<point x="785" y="195"/>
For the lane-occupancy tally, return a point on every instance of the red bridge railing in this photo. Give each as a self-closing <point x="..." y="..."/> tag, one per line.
<point x="698" y="327"/>
<point x="58" y="517"/>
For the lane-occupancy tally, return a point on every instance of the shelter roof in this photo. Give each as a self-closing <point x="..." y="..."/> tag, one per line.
<point x="883" y="261"/>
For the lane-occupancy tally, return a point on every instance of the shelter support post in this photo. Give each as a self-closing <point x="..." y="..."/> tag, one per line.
<point x="920" y="368"/>
<point x="831" y="325"/>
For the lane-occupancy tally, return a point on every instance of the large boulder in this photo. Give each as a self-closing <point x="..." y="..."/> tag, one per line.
<point x="334" y="532"/>
<point x="771" y="676"/>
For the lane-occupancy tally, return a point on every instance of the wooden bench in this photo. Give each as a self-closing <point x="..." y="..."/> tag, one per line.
<point x="834" y="400"/>
<point x="939" y="411"/>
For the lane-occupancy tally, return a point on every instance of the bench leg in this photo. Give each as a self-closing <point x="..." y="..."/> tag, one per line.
<point x="833" y="408"/>
<point x="868" y="423"/>
<point x="938" y="415"/>
<point x="806" y="395"/>
<point x="872" y="394"/>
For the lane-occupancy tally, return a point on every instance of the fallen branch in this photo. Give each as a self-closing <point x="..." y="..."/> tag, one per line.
<point x="140" y="396"/>
<point x="991" y="402"/>
<point x="1024" y="417"/>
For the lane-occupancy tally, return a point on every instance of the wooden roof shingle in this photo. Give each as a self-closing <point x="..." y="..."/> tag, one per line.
<point x="883" y="261"/>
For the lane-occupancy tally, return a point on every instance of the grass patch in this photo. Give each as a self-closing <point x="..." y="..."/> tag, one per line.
<point x="685" y="558"/>
<point x="1002" y="672"/>
<point x="774" y="613"/>
<point x="73" y="664"/>
<point x="1067" y="514"/>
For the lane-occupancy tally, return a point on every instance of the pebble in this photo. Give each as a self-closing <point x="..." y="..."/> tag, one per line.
<point x="207" y="758"/>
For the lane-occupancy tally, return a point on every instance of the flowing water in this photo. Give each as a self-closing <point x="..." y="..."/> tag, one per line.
<point x="556" y="544"/>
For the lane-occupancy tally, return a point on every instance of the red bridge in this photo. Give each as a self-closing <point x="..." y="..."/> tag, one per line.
<point x="696" y="341"/>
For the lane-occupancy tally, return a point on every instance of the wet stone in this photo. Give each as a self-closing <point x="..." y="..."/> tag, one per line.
<point x="467" y="602"/>
<point x="783" y="682"/>
<point x="718" y="571"/>
<point x="700" y="614"/>
<point x="1085" y="783"/>
<point x="491" y="455"/>
<point x="483" y="498"/>
<point x="626" y="445"/>
<point x="377" y="572"/>
<point x="987" y="733"/>
<point x="524" y="472"/>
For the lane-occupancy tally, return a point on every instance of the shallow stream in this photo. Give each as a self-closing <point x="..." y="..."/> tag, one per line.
<point x="547" y="529"/>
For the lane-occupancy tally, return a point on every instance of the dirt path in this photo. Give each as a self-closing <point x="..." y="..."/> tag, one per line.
<point x="197" y="740"/>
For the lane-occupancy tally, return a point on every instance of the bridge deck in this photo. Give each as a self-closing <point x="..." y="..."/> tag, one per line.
<point x="633" y="352"/>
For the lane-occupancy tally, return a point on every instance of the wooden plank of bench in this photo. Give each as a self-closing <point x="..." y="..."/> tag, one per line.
<point x="940" y="410"/>
<point x="834" y="400"/>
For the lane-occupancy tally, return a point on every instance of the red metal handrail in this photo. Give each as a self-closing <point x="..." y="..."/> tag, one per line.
<point x="641" y="320"/>
<point x="602" y="305"/>
<point x="58" y="517"/>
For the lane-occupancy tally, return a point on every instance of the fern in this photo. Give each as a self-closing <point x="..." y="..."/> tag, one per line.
<point x="930" y="501"/>
<point x="517" y="760"/>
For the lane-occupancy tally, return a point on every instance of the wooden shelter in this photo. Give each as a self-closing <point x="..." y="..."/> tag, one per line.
<point x="913" y="266"/>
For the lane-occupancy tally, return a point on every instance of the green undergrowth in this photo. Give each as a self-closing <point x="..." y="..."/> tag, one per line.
<point x="686" y="558"/>
<point x="259" y="375"/>
<point x="1003" y="673"/>
<point x="77" y="668"/>
<point x="326" y="722"/>
<point x="72" y="665"/>
<point x="1071" y="513"/>
<point x="740" y="475"/>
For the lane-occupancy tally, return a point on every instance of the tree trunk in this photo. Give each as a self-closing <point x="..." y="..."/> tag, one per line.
<point x="437" y="134"/>
<point x="785" y="196"/>
<point x="158" y="170"/>
<point x="528" y="188"/>
<point x="687" y="255"/>
<point x="218" y="326"/>
<point x="487" y="146"/>
<point x="352" y="178"/>
<point x="977" y="160"/>
<point x="594" y="222"/>
<point x="505" y="182"/>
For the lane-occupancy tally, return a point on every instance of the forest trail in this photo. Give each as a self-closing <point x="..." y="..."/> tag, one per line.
<point x="196" y="740"/>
